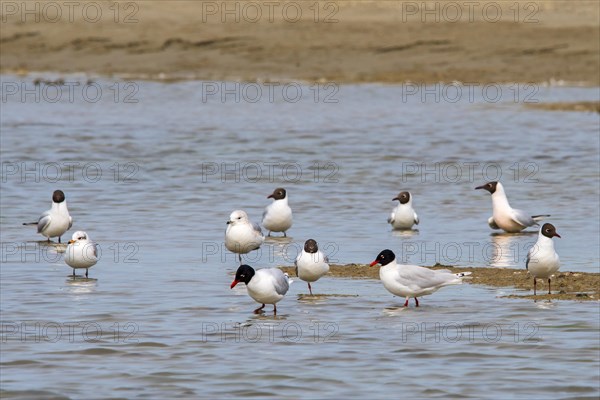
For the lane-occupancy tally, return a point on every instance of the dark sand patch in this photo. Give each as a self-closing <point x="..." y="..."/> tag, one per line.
<point x="565" y="285"/>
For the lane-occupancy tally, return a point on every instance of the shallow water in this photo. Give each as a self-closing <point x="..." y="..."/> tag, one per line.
<point x="153" y="183"/>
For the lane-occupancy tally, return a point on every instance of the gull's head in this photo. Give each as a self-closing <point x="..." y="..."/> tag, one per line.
<point x="58" y="196"/>
<point x="237" y="216"/>
<point x="78" y="236"/>
<point x="403" y="197"/>
<point x="490" y="186"/>
<point x="549" y="231"/>
<point x="277" y="194"/>
<point x="310" y="246"/>
<point x="243" y="274"/>
<point x="384" y="258"/>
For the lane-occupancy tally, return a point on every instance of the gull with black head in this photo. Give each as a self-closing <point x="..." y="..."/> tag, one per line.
<point x="403" y="216"/>
<point x="505" y="217"/>
<point x="412" y="280"/>
<point x="277" y="216"/>
<point x="55" y="221"/>
<point x="542" y="260"/>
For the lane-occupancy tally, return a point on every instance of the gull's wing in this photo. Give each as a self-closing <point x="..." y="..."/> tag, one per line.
<point x="70" y="222"/>
<point x="391" y="218"/>
<point x="416" y="217"/>
<point x="256" y="228"/>
<point x="492" y="223"/>
<point x="44" y="221"/>
<point x="521" y="218"/>
<point x="280" y="281"/>
<point x="530" y="254"/>
<point x="418" y="278"/>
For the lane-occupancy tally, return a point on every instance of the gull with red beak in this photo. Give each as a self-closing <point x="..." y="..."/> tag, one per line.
<point x="412" y="280"/>
<point x="265" y="286"/>
<point x="542" y="260"/>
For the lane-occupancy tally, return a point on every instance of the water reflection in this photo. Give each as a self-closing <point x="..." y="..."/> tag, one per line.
<point x="81" y="285"/>
<point x="405" y="233"/>
<point x="508" y="250"/>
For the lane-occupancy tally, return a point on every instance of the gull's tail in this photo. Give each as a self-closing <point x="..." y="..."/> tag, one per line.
<point x="287" y="276"/>
<point x="30" y="223"/>
<point x="537" y="218"/>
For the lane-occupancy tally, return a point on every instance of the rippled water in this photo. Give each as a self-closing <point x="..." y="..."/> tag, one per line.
<point x="153" y="183"/>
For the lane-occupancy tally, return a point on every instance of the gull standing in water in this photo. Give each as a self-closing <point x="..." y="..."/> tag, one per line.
<point x="265" y="286"/>
<point x="242" y="236"/>
<point x="81" y="252"/>
<point x="56" y="221"/>
<point x="504" y="216"/>
<point x="277" y="216"/>
<point x="311" y="263"/>
<point x="412" y="280"/>
<point x="403" y="216"/>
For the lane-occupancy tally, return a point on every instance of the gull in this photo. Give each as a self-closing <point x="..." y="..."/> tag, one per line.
<point x="81" y="252"/>
<point x="56" y="221"/>
<point x="504" y="216"/>
<point x="412" y="280"/>
<point x="277" y="216"/>
<point x="403" y="216"/>
<point x="265" y="286"/>
<point x="542" y="260"/>
<point x="311" y="263"/>
<point x="242" y="236"/>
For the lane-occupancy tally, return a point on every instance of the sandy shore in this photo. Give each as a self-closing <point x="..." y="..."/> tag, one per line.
<point x="341" y="41"/>
<point x="565" y="285"/>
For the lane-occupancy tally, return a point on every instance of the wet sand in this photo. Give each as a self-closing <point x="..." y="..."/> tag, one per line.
<point x="345" y="42"/>
<point x="565" y="285"/>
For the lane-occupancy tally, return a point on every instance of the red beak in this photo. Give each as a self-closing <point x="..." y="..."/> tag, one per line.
<point x="374" y="263"/>
<point x="270" y="196"/>
<point x="557" y="235"/>
<point x="233" y="284"/>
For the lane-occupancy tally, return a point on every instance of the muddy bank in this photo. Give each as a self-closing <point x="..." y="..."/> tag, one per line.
<point x="581" y="106"/>
<point x="565" y="285"/>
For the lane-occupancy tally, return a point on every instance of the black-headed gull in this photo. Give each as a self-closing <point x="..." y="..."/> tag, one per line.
<point x="242" y="236"/>
<point x="311" y="263"/>
<point x="504" y="216"/>
<point x="411" y="280"/>
<point x="81" y="252"/>
<point x="542" y="260"/>
<point x="56" y="221"/>
<point x="403" y="216"/>
<point x="277" y="216"/>
<point x="265" y="286"/>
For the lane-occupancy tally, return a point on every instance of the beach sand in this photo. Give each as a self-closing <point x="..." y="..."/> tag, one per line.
<point x="343" y="42"/>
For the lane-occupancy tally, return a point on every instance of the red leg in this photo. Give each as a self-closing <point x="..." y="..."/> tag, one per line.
<point x="417" y="301"/>
<point x="534" y="286"/>
<point x="257" y="311"/>
<point x="406" y="302"/>
<point x="549" y="286"/>
<point x="274" y="309"/>
<point x="309" y="288"/>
